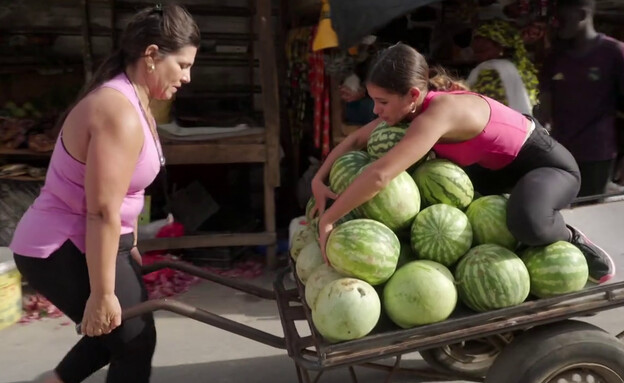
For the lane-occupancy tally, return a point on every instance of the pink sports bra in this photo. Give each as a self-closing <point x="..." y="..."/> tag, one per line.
<point x="496" y="146"/>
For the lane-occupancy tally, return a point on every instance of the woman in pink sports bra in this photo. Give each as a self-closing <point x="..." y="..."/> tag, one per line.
<point x="75" y="244"/>
<point x="502" y="151"/>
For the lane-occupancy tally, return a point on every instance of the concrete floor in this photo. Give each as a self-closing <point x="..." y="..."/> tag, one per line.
<point x="189" y="351"/>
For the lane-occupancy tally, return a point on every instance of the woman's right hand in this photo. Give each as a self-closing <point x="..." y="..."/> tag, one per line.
<point x="321" y="192"/>
<point x="102" y="314"/>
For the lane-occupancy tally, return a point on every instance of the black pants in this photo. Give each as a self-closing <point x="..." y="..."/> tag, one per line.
<point x="594" y="177"/>
<point x="543" y="179"/>
<point x="63" y="279"/>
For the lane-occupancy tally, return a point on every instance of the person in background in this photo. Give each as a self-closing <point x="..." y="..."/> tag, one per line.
<point x="505" y="72"/>
<point x="74" y="243"/>
<point x="512" y="152"/>
<point x="581" y="82"/>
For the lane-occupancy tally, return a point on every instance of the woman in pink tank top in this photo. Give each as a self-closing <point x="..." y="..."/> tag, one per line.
<point x="502" y="150"/>
<point x="76" y="243"/>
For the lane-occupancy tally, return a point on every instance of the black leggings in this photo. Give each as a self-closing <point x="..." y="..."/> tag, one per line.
<point x="543" y="179"/>
<point x="63" y="279"/>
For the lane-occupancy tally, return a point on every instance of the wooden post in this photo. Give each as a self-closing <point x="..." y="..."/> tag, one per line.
<point x="270" y="107"/>
<point x="87" y="55"/>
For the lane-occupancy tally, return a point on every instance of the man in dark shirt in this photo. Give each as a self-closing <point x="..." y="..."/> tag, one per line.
<point x="580" y="83"/>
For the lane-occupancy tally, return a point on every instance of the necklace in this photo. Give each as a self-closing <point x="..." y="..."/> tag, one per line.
<point x="153" y="131"/>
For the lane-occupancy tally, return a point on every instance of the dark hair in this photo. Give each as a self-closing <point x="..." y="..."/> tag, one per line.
<point x="401" y="67"/>
<point x="170" y="27"/>
<point x="588" y="4"/>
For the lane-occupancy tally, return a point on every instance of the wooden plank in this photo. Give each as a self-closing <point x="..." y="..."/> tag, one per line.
<point x="270" y="91"/>
<point x="208" y="240"/>
<point x="210" y="153"/>
<point x="269" y="217"/>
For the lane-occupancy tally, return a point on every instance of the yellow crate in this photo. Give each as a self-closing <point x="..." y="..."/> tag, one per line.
<point x="10" y="293"/>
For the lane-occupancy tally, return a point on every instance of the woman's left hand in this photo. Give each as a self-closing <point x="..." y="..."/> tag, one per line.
<point x="324" y="229"/>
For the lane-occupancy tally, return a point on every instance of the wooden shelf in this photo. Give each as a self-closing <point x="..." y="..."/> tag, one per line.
<point x="23" y="178"/>
<point x="234" y="91"/>
<point x="23" y="153"/>
<point x="94" y="30"/>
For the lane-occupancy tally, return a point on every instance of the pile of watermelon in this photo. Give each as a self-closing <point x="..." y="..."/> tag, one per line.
<point x="422" y="245"/>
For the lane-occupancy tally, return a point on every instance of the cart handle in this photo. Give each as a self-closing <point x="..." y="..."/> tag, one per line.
<point x="201" y="315"/>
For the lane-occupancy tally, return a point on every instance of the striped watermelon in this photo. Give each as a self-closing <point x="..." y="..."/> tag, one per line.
<point x="441" y="233"/>
<point x="491" y="277"/>
<point x="345" y="168"/>
<point x="488" y="217"/>
<point x="308" y="208"/>
<point x="421" y="292"/>
<point x="396" y="205"/>
<point x="364" y="249"/>
<point x="441" y="181"/>
<point x="383" y="138"/>
<point x="556" y="269"/>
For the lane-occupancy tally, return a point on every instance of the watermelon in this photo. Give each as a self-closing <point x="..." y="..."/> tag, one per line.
<point x="346" y="309"/>
<point x="309" y="259"/>
<point x="441" y="181"/>
<point x="308" y="209"/>
<point x="441" y="233"/>
<point x="488" y="217"/>
<point x="302" y="236"/>
<point x="383" y="138"/>
<point x="419" y="293"/>
<point x="491" y="277"/>
<point x="321" y="276"/>
<point x="396" y="205"/>
<point x="364" y="249"/>
<point x="556" y="269"/>
<point x="345" y="169"/>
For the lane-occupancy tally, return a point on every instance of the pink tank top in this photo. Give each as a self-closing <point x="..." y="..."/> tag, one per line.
<point x="59" y="212"/>
<point x="496" y="146"/>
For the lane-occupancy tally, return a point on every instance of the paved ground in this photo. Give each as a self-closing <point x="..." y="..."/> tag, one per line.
<point x="189" y="351"/>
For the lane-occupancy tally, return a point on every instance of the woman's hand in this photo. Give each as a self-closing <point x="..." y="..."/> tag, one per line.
<point x="324" y="229"/>
<point x="321" y="192"/>
<point x="102" y="315"/>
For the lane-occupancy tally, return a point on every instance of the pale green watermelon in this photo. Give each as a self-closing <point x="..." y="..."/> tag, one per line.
<point x="491" y="277"/>
<point x="364" y="249"/>
<point x="419" y="293"/>
<point x="346" y="309"/>
<point x="396" y="205"/>
<point x="556" y="269"/>
<point x="302" y="236"/>
<point x="322" y="275"/>
<point x="488" y="217"/>
<point x="345" y="169"/>
<point x="309" y="259"/>
<point x="441" y="181"/>
<point x="441" y="233"/>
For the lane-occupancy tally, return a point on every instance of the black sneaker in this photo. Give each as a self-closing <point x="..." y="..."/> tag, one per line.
<point x="601" y="266"/>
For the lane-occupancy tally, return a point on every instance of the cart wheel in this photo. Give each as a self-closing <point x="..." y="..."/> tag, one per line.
<point x="567" y="351"/>
<point x="471" y="358"/>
